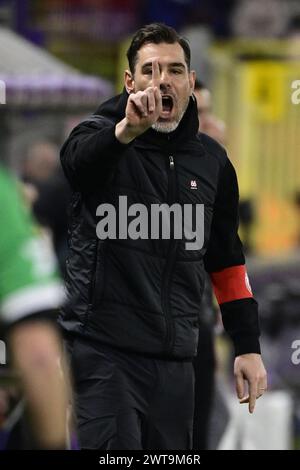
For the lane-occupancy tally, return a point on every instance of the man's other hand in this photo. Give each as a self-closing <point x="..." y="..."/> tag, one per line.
<point x="250" y="368"/>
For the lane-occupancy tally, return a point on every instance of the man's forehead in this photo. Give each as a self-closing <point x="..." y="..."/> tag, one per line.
<point x="164" y="53"/>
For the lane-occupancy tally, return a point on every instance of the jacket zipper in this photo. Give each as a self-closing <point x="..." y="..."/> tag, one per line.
<point x="170" y="335"/>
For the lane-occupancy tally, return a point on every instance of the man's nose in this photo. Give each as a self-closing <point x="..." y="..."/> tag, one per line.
<point x="164" y="82"/>
<point x="164" y="77"/>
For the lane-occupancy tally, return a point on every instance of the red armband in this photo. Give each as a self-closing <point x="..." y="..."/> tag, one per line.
<point x="231" y="284"/>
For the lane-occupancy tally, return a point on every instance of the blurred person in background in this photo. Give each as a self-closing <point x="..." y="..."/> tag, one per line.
<point x="49" y="193"/>
<point x="40" y="162"/>
<point x="30" y="294"/>
<point x="214" y="127"/>
<point x="204" y="367"/>
<point x="205" y="360"/>
<point x="208" y="123"/>
<point x="133" y="314"/>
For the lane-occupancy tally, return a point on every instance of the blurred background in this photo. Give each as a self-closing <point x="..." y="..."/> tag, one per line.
<point x="59" y="59"/>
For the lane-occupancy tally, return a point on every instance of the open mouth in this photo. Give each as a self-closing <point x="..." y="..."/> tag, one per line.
<point x="167" y="103"/>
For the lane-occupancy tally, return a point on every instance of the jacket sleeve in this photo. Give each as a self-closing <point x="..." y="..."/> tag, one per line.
<point x="91" y="151"/>
<point x="225" y="263"/>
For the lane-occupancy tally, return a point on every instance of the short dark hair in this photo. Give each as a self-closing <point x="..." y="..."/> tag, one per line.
<point x="156" y="33"/>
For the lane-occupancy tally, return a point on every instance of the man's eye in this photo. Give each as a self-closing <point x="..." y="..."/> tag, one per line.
<point x="177" y="71"/>
<point x="148" y="72"/>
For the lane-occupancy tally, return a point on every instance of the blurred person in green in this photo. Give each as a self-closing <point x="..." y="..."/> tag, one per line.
<point x="30" y="293"/>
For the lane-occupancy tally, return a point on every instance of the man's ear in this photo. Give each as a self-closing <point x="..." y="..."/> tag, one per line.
<point x="192" y="79"/>
<point x="128" y="81"/>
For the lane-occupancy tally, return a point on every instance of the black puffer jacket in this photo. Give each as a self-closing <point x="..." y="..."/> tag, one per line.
<point x="144" y="295"/>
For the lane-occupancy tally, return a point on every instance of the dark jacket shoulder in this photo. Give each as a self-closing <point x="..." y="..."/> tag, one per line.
<point x="215" y="149"/>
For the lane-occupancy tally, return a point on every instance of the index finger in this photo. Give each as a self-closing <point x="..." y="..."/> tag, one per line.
<point x="155" y="74"/>
<point x="252" y="396"/>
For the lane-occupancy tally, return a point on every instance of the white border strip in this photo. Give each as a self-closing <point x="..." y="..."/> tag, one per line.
<point x="32" y="299"/>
